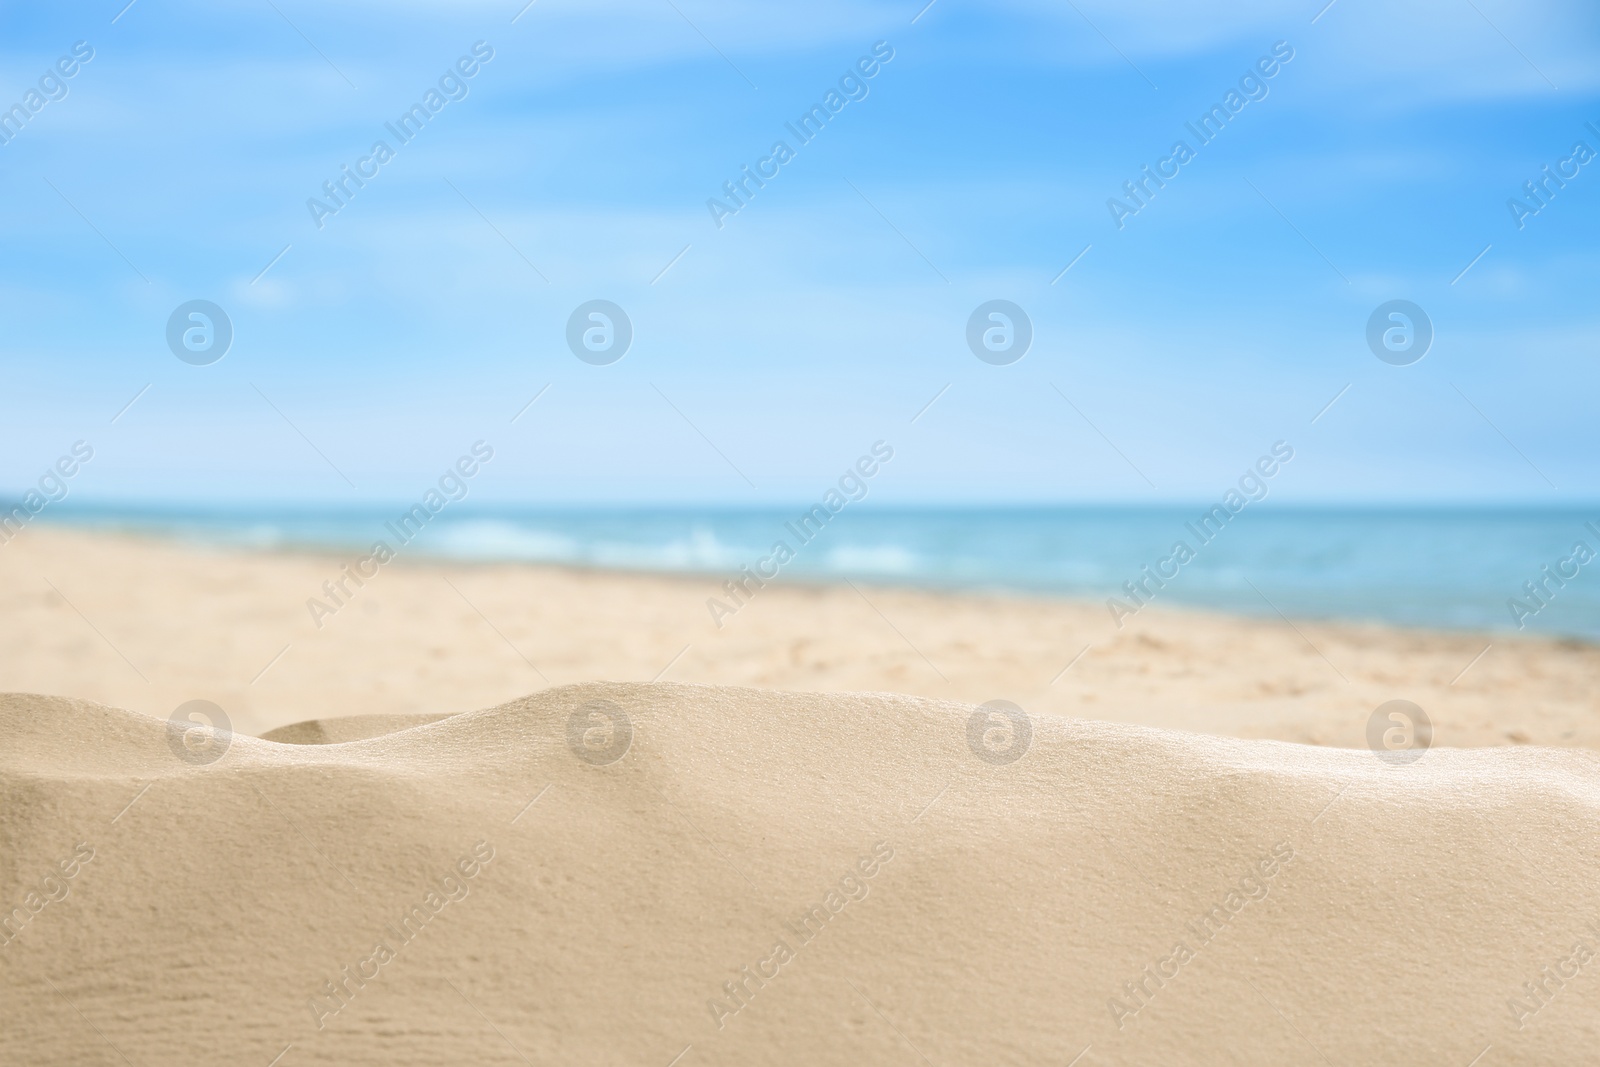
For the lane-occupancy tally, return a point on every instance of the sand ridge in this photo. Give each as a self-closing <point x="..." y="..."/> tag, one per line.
<point x="1145" y="894"/>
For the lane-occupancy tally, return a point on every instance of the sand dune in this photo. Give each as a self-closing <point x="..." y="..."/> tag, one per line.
<point x="741" y="877"/>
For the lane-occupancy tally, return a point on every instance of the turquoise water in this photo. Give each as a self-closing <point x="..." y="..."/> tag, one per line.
<point x="1438" y="568"/>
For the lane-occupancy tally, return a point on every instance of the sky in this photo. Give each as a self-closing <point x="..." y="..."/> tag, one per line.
<point x="983" y="159"/>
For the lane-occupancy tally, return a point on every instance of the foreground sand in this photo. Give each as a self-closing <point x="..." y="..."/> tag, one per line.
<point x="148" y="625"/>
<point x="765" y="878"/>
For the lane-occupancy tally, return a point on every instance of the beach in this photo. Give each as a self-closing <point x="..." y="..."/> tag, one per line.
<point x="512" y="814"/>
<point x="732" y="535"/>
<point x="147" y="624"/>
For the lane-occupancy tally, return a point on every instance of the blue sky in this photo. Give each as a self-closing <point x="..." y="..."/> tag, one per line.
<point x="831" y="308"/>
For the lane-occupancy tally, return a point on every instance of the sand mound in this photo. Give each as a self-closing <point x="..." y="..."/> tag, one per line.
<point x="626" y="874"/>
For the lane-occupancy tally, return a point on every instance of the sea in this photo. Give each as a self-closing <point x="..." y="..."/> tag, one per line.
<point x="1497" y="569"/>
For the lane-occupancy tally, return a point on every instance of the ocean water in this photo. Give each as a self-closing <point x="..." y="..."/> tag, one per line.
<point x="1438" y="568"/>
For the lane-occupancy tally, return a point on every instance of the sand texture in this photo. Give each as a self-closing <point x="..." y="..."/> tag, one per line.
<point x="579" y="889"/>
<point x="147" y="626"/>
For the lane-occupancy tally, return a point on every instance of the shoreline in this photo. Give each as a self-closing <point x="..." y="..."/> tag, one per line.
<point x="422" y="559"/>
<point x="712" y="576"/>
<point x="148" y="622"/>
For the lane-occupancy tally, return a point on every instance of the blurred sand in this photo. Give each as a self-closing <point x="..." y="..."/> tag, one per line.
<point x="148" y="625"/>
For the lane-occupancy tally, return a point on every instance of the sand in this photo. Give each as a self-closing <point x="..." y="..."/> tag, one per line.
<point x="1116" y="895"/>
<point x="411" y="868"/>
<point x="148" y="625"/>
